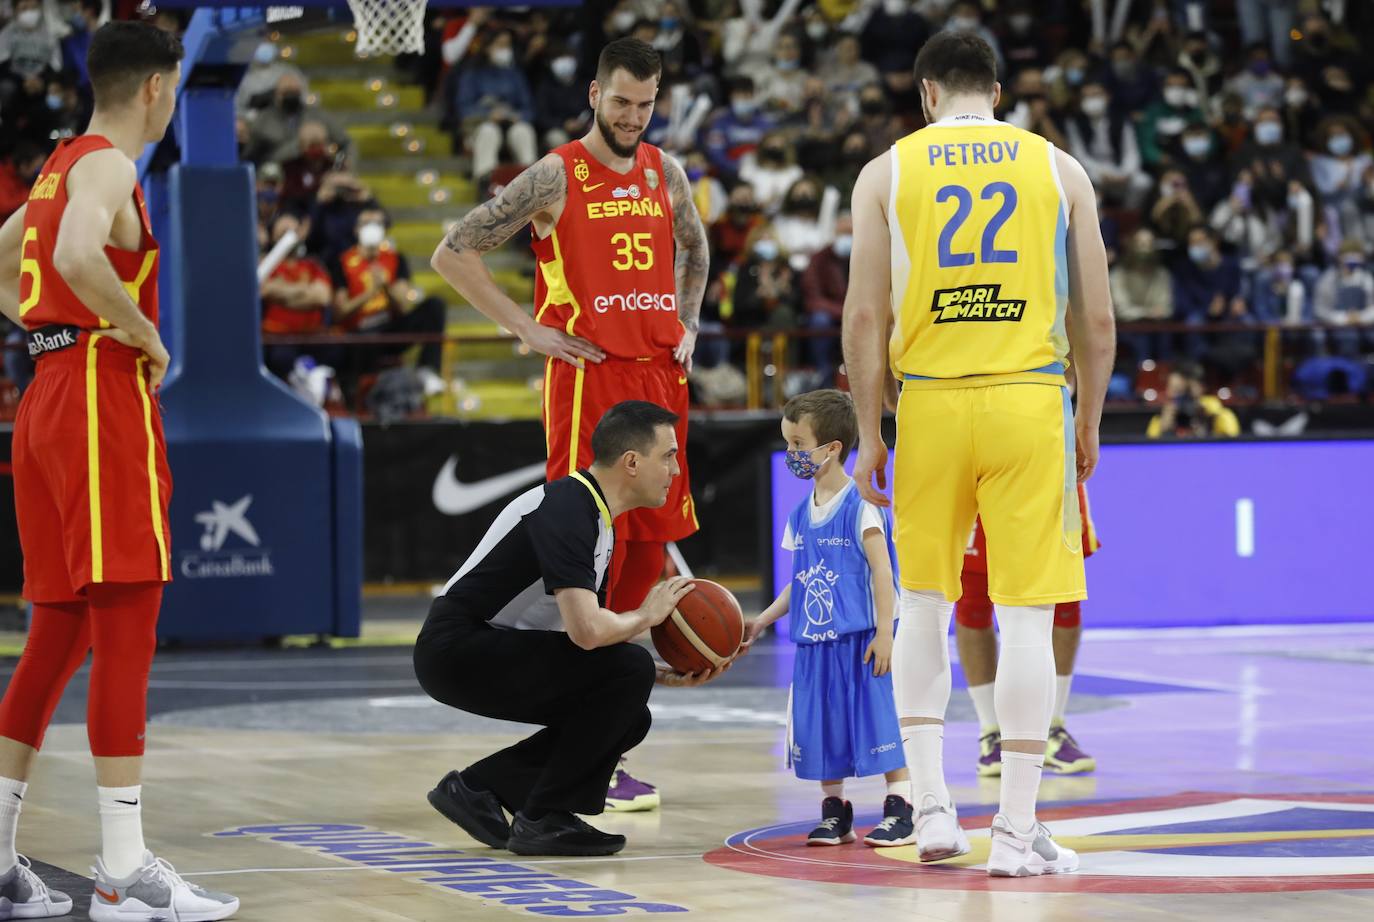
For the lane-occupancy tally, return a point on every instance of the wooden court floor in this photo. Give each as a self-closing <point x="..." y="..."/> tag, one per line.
<point x="1235" y="781"/>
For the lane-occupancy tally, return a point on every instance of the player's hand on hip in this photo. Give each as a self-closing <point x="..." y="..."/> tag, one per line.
<point x="663" y="598"/>
<point x="665" y="675"/>
<point x="1086" y="444"/>
<point x="151" y="346"/>
<point x="559" y="345"/>
<point x="685" y="347"/>
<point x="870" y="465"/>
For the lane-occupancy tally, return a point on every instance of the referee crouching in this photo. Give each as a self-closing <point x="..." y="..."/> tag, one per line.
<point x="522" y="633"/>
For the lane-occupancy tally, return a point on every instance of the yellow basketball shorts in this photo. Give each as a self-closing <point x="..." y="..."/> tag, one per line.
<point x="1004" y="452"/>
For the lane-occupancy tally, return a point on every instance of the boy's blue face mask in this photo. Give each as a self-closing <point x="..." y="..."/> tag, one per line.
<point x="801" y="464"/>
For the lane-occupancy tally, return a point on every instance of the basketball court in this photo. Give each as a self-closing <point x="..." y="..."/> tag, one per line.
<point x="1233" y="783"/>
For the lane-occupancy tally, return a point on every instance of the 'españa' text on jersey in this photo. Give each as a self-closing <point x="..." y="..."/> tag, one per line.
<point x="606" y="271"/>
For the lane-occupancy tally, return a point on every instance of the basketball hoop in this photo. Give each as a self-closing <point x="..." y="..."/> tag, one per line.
<point x="389" y="26"/>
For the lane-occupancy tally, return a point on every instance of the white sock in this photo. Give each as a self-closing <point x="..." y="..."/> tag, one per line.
<point x="1020" y="787"/>
<point x="983" y="704"/>
<point x="924" y="746"/>
<point x="121" y="829"/>
<point x="901" y="788"/>
<point x="11" y="803"/>
<point x="1061" y="698"/>
<point x="833" y="789"/>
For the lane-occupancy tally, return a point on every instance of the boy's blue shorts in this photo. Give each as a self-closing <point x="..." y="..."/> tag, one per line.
<point x="842" y="720"/>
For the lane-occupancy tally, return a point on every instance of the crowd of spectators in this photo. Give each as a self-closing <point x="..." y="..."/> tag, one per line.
<point x="1229" y="143"/>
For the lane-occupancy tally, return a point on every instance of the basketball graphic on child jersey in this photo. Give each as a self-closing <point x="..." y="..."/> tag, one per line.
<point x="704" y="631"/>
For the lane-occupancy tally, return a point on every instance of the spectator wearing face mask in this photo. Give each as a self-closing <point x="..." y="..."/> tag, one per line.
<point x="780" y="83"/>
<point x="1199" y="157"/>
<point x="1207" y="289"/>
<point x="1318" y="50"/>
<point x="1142" y="290"/>
<point x="274" y="134"/>
<point x="1272" y="160"/>
<point x="1259" y="86"/>
<point x="1279" y="292"/>
<point x="890" y="39"/>
<point x="1022" y="44"/>
<point x="846" y="73"/>
<point x="1201" y="63"/>
<point x="1344" y="297"/>
<point x="341" y="198"/>
<point x="1130" y="84"/>
<point x="28" y="45"/>
<point x="877" y="122"/>
<point x="561" y="111"/>
<point x="1248" y="227"/>
<point x="1164" y="121"/>
<point x="677" y="43"/>
<point x="967" y="16"/>
<point x="85" y="19"/>
<point x="258" y="88"/>
<point x="1104" y="142"/>
<point x="806" y="222"/>
<point x="771" y="170"/>
<point x="373" y="294"/>
<point x="294" y="298"/>
<point x="1300" y="114"/>
<point x="70" y="112"/>
<point x="844" y="172"/>
<point x="495" y="107"/>
<point x="732" y="233"/>
<point x="26" y="112"/>
<point x="823" y="286"/>
<point x="1338" y="172"/>
<point x="303" y="173"/>
<point x="734" y="133"/>
<point x="766" y="292"/>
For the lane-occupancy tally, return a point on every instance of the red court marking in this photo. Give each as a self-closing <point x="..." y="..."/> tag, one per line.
<point x="786" y="855"/>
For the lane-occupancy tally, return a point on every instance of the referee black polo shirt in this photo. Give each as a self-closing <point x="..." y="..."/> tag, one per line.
<point x="555" y="536"/>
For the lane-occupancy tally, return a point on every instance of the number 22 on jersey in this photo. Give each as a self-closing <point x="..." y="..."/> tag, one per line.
<point x="963" y="197"/>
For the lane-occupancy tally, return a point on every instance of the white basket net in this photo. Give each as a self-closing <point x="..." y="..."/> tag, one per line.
<point x="389" y="26"/>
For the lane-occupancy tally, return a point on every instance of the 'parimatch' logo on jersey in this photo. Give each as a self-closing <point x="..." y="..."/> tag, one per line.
<point x="975" y="302"/>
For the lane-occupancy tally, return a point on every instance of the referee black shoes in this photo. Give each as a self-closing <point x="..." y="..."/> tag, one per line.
<point x="479" y="813"/>
<point x="560" y="833"/>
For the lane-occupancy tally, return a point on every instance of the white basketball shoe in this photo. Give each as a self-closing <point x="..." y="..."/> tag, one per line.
<point x="155" y="892"/>
<point x="1028" y="854"/>
<point x="938" y="833"/>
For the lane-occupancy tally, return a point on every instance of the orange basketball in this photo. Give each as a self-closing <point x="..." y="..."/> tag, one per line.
<point x="704" y="631"/>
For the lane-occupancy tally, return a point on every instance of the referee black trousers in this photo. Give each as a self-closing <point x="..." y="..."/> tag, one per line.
<point x="593" y="705"/>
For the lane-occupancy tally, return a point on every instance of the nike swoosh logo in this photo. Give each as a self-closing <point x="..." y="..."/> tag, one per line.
<point x="132" y="803"/>
<point x="111" y="897"/>
<point x="453" y="497"/>
<point x="587" y="188"/>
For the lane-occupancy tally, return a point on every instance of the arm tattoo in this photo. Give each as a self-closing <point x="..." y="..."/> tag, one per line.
<point x="693" y="259"/>
<point x="492" y="223"/>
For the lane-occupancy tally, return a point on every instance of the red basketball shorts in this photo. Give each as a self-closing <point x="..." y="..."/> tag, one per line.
<point x="91" y="482"/>
<point x="574" y="401"/>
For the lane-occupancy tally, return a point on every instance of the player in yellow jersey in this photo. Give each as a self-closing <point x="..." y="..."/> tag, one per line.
<point x="982" y="241"/>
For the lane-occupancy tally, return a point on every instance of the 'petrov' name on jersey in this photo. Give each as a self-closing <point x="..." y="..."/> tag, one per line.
<point x="975" y="302"/>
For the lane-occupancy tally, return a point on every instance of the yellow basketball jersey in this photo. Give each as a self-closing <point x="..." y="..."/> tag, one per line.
<point x="980" y="280"/>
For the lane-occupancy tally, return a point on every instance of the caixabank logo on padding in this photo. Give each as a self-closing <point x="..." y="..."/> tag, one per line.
<point x="974" y="303"/>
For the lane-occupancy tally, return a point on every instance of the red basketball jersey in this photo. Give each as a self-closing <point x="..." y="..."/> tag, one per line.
<point x="606" y="270"/>
<point x="44" y="296"/>
<point x="976" y="553"/>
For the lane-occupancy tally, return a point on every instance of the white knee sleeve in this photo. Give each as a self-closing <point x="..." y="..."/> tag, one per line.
<point x="1024" y="690"/>
<point x="920" y="655"/>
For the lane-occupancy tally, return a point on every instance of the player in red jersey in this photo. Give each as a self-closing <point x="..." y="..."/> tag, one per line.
<point x="622" y="269"/>
<point x="91" y="481"/>
<point x="978" y="656"/>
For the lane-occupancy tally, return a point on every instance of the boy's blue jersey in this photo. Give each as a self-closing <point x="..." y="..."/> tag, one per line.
<point x="832" y="585"/>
